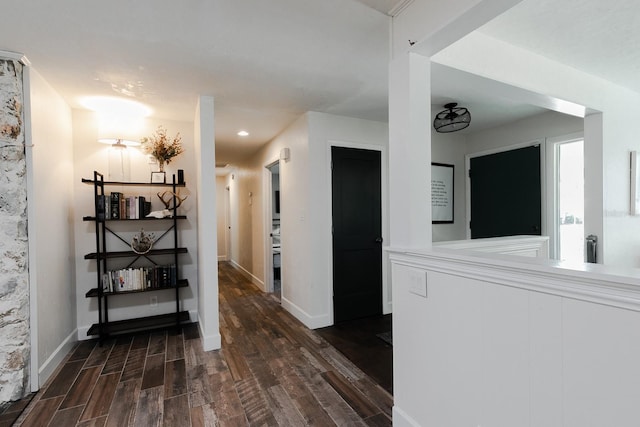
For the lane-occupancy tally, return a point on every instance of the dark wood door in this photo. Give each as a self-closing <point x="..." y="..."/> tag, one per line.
<point x="357" y="233"/>
<point x="506" y="193"/>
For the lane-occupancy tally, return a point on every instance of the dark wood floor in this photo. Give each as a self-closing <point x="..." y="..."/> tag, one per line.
<point x="270" y="371"/>
<point x="358" y="340"/>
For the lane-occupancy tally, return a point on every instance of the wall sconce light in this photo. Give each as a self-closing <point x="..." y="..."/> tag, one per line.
<point x="119" y="159"/>
<point x="120" y="123"/>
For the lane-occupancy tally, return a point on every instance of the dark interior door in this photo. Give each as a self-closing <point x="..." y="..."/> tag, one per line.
<point x="506" y="193"/>
<point x="357" y="231"/>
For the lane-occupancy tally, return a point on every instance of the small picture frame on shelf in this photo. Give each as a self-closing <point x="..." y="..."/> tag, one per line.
<point x="158" y="178"/>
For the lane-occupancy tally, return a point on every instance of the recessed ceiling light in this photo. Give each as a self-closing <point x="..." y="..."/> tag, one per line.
<point x="243" y="133"/>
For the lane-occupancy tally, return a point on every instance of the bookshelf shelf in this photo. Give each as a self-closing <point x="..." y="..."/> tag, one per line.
<point x="139" y="324"/>
<point x="93" y="293"/>
<point x="134" y="184"/>
<point x="143" y="274"/>
<point x="126" y="254"/>
<point x="93" y="218"/>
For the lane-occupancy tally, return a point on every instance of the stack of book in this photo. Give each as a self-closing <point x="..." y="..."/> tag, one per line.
<point x="118" y="206"/>
<point x="138" y="279"/>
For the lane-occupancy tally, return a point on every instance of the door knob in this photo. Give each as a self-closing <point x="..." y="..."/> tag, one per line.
<point x="378" y="239"/>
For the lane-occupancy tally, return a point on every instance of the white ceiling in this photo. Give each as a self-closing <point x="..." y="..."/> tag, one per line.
<point x="600" y="37"/>
<point x="266" y="63"/>
<point x="486" y="100"/>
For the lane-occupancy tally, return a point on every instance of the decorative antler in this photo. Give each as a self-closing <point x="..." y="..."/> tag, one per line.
<point x="167" y="203"/>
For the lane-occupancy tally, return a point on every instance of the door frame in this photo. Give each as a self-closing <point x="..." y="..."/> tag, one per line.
<point x="267" y="218"/>
<point x="384" y="193"/>
<point x="552" y="146"/>
<point x="543" y="180"/>
<point x="227" y="217"/>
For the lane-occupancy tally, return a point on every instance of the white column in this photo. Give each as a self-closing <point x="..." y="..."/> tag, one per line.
<point x="204" y="142"/>
<point x="410" y="150"/>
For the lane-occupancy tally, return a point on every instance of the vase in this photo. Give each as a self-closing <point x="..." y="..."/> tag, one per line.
<point x="161" y="165"/>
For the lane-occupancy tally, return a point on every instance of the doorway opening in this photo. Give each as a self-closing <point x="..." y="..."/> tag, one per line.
<point x="569" y="200"/>
<point x="274" y="254"/>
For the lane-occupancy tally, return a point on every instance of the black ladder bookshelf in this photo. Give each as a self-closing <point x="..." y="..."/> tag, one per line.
<point x="103" y="257"/>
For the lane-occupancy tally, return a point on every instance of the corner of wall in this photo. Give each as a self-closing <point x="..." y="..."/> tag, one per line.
<point x="311" y="322"/>
<point x="57" y="357"/>
<point x="210" y="342"/>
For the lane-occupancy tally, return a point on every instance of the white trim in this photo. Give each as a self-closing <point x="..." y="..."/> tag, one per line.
<point x="399" y="7"/>
<point x="402" y="419"/>
<point x="595" y="283"/>
<point x="537" y="246"/>
<point x="551" y="173"/>
<point x="267" y="218"/>
<point x="222" y="258"/>
<point x="543" y="179"/>
<point x="311" y="322"/>
<point x="571" y="137"/>
<point x="49" y="366"/>
<point x="387" y="306"/>
<point x="17" y="56"/>
<point x="227" y="217"/>
<point x="82" y="333"/>
<point x="209" y="342"/>
<point x="552" y="145"/>
<point x="34" y="376"/>
<point x="256" y="281"/>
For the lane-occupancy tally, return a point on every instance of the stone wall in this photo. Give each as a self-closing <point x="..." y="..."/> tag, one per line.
<point x="14" y="280"/>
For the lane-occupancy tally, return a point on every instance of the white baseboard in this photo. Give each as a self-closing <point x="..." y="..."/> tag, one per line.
<point x="210" y="342"/>
<point x="402" y="419"/>
<point x="259" y="283"/>
<point x="387" y="308"/>
<point x="82" y="333"/>
<point x="222" y="258"/>
<point x="56" y="358"/>
<point x="311" y="322"/>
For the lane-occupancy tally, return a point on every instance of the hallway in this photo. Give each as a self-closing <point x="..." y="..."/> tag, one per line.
<point x="271" y="371"/>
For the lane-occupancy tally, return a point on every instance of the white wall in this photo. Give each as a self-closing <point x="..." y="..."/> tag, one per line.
<point x="424" y="356"/>
<point x="275" y="186"/>
<point x="305" y="214"/>
<point x="52" y="265"/>
<point x="248" y="225"/>
<point x="89" y="155"/>
<point x="221" y="215"/>
<point x="515" y="350"/>
<point x="606" y="153"/>
<point x="248" y="230"/>
<point x="325" y="131"/>
<point x="450" y="148"/>
<point x="546" y="125"/>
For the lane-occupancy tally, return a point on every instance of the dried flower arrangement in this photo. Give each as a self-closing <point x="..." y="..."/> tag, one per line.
<point x="160" y="146"/>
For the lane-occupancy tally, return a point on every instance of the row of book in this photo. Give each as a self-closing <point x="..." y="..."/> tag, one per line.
<point x="139" y="279"/>
<point x="118" y="206"/>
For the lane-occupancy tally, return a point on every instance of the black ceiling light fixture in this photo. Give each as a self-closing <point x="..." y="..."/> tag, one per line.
<point x="452" y="119"/>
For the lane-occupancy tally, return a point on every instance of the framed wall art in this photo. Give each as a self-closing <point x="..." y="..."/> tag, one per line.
<point x="158" y="177"/>
<point x="441" y="193"/>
